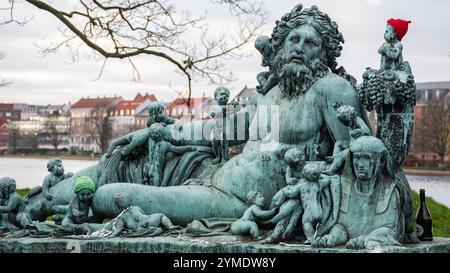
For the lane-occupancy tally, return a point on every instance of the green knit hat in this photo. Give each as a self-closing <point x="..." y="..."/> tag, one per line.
<point x="84" y="182"/>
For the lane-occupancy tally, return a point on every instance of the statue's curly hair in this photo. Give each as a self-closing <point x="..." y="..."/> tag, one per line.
<point x="155" y="108"/>
<point x="52" y="162"/>
<point x="311" y="171"/>
<point x="221" y="88"/>
<point x="292" y="154"/>
<point x="328" y="30"/>
<point x="7" y="184"/>
<point x="251" y="197"/>
<point x="123" y="196"/>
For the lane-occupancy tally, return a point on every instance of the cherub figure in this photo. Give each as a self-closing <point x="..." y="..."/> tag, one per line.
<point x="12" y="204"/>
<point x="303" y="197"/>
<point x="134" y="220"/>
<point x="266" y="79"/>
<point x="295" y="160"/>
<point x="56" y="169"/>
<point x="218" y="134"/>
<point x="139" y="138"/>
<point x="156" y="114"/>
<point x="347" y="115"/>
<point x="80" y="206"/>
<point x="247" y="224"/>
<point x="391" y="49"/>
<point x="157" y="152"/>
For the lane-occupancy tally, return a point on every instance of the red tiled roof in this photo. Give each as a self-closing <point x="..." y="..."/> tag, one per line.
<point x="180" y="101"/>
<point x="127" y="105"/>
<point x="94" y="102"/>
<point x="141" y="98"/>
<point x="6" y="106"/>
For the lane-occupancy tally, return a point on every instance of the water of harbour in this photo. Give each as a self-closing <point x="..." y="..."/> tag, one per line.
<point x="29" y="172"/>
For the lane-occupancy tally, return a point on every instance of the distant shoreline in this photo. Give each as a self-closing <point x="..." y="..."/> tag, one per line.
<point x="409" y="171"/>
<point x="52" y="156"/>
<point x="422" y="172"/>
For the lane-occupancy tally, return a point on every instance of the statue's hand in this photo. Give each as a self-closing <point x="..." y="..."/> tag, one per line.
<point x="323" y="242"/>
<point x="49" y="197"/>
<point x="356" y="133"/>
<point x="277" y="200"/>
<point x="329" y="171"/>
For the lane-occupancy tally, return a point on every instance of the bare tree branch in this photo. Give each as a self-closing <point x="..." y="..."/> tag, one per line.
<point x="125" y="29"/>
<point x="434" y="133"/>
<point x="3" y="82"/>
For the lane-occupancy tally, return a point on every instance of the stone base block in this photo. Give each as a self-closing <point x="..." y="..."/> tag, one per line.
<point x="187" y="244"/>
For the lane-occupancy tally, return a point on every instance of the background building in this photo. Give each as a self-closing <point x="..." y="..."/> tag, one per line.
<point x="90" y="128"/>
<point x="124" y="117"/>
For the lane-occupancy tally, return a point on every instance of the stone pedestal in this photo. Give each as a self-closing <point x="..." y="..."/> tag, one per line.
<point x="186" y="244"/>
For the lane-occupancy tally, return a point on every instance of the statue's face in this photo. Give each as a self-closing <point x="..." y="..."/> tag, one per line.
<point x="157" y="114"/>
<point x="364" y="165"/>
<point x="259" y="200"/>
<point x="300" y="61"/>
<point x="85" y="195"/>
<point x="122" y="203"/>
<point x="156" y="135"/>
<point x="303" y="44"/>
<point x="58" y="169"/>
<point x="222" y="97"/>
<point x="296" y="160"/>
<point x="389" y="34"/>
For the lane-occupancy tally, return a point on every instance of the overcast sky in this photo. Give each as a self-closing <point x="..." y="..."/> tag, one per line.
<point x="52" y="80"/>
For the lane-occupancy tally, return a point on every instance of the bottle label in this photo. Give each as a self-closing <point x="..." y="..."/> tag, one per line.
<point x="419" y="230"/>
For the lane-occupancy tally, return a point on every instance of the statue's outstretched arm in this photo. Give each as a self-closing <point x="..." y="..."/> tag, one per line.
<point x="118" y="142"/>
<point x="180" y="149"/>
<point x="263" y="214"/>
<point x="168" y="120"/>
<point x="291" y="192"/>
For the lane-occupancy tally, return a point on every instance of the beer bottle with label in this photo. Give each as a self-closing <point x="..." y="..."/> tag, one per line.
<point x="423" y="220"/>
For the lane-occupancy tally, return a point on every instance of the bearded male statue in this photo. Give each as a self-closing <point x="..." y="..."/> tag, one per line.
<point x="297" y="113"/>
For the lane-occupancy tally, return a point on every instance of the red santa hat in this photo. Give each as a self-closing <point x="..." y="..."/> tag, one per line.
<point x="400" y="27"/>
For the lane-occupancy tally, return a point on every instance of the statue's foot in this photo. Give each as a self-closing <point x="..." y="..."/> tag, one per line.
<point x="268" y="240"/>
<point x="323" y="242"/>
<point x="410" y="238"/>
<point x="174" y="227"/>
<point x="356" y="243"/>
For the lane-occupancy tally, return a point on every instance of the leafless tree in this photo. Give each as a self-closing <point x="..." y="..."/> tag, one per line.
<point x="98" y="128"/>
<point x="435" y="127"/>
<point x="124" y="29"/>
<point x="55" y="133"/>
<point x="14" y="135"/>
<point x="3" y="82"/>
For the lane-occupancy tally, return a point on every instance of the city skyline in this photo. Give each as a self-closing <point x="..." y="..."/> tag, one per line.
<point x="50" y="80"/>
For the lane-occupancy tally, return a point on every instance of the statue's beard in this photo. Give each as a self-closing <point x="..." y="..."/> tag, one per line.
<point x="296" y="77"/>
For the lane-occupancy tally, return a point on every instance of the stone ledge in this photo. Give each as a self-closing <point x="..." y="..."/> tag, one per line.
<point x="186" y="244"/>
